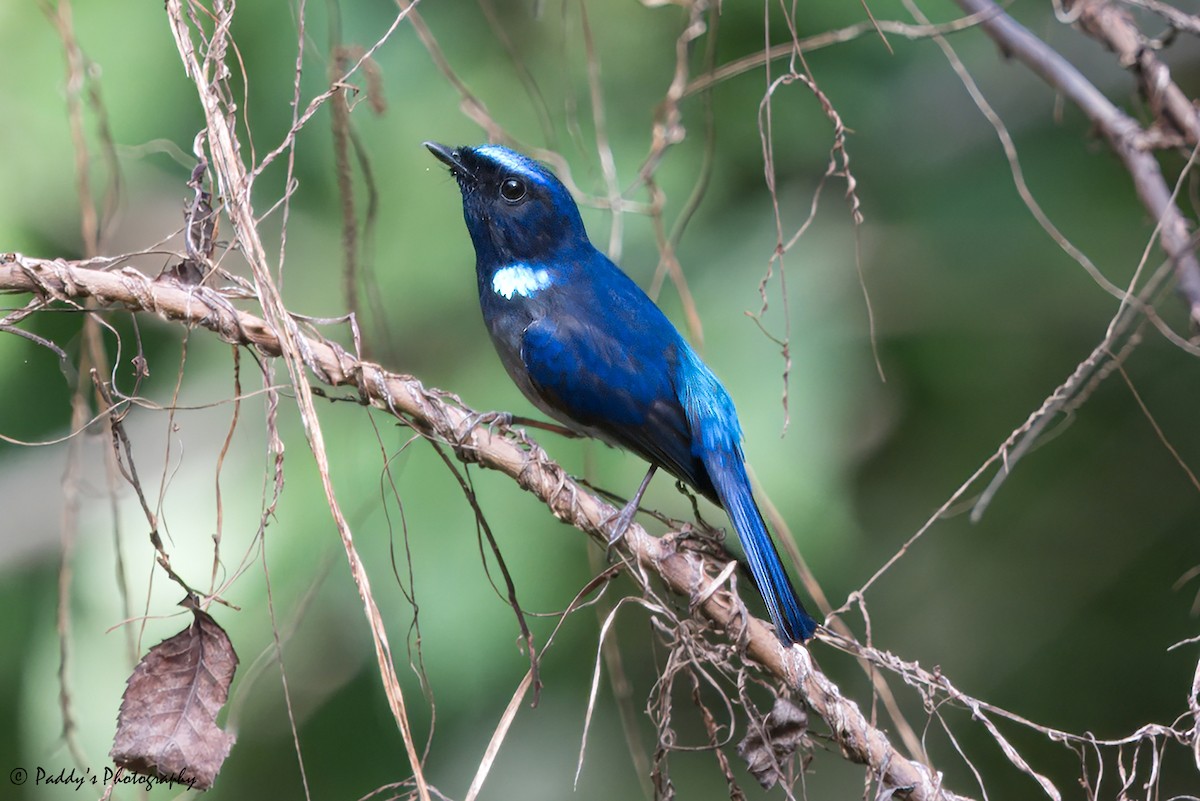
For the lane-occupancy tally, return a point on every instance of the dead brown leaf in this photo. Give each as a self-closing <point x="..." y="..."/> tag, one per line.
<point x="768" y="746"/>
<point x="167" y="726"/>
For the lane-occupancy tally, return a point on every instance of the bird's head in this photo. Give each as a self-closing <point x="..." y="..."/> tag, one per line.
<point x="515" y="209"/>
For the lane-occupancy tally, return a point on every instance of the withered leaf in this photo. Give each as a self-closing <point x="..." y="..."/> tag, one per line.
<point x="167" y="725"/>
<point x="188" y="272"/>
<point x="768" y="746"/>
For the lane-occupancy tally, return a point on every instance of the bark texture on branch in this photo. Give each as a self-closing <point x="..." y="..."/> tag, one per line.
<point x="1113" y="26"/>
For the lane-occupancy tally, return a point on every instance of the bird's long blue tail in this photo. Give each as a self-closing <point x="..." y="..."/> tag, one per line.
<point x="716" y="441"/>
<point x="728" y="474"/>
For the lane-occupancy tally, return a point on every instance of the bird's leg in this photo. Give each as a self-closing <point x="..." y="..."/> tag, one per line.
<point x="625" y="516"/>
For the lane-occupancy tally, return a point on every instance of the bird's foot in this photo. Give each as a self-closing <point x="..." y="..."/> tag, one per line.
<point x="620" y="521"/>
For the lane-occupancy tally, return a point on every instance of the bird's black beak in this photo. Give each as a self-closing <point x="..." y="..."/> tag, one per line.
<point x="449" y="157"/>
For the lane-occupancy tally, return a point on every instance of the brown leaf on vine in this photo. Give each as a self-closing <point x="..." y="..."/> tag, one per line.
<point x="769" y="745"/>
<point x="167" y="725"/>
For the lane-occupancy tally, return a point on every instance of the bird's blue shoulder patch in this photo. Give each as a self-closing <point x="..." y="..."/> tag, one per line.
<point x="709" y="408"/>
<point x="519" y="279"/>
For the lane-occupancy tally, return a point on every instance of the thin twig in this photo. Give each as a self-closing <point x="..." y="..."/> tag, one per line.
<point x="237" y="183"/>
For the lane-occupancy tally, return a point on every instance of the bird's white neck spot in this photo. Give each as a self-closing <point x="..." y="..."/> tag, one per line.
<point x="519" y="279"/>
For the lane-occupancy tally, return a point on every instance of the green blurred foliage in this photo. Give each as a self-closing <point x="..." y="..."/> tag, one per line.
<point x="1059" y="605"/>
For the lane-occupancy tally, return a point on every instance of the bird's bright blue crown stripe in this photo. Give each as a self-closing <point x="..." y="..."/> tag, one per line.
<point x="510" y="160"/>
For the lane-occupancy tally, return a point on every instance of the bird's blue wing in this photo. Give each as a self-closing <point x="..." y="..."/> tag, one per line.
<point x="615" y="384"/>
<point x="659" y="400"/>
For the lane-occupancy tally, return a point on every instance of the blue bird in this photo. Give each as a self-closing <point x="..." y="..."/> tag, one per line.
<point x="586" y="345"/>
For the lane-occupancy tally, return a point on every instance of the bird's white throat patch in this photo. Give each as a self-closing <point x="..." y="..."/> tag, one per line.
<point x="519" y="279"/>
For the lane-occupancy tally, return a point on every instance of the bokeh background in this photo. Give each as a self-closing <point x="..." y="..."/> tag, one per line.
<point x="1059" y="605"/>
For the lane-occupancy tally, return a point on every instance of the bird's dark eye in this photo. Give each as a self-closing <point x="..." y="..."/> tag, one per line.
<point x="512" y="190"/>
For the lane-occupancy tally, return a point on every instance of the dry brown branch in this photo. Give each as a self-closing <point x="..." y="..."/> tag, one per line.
<point x="1114" y="27"/>
<point x="1178" y="20"/>
<point x="1124" y="135"/>
<point x="442" y="418"/>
